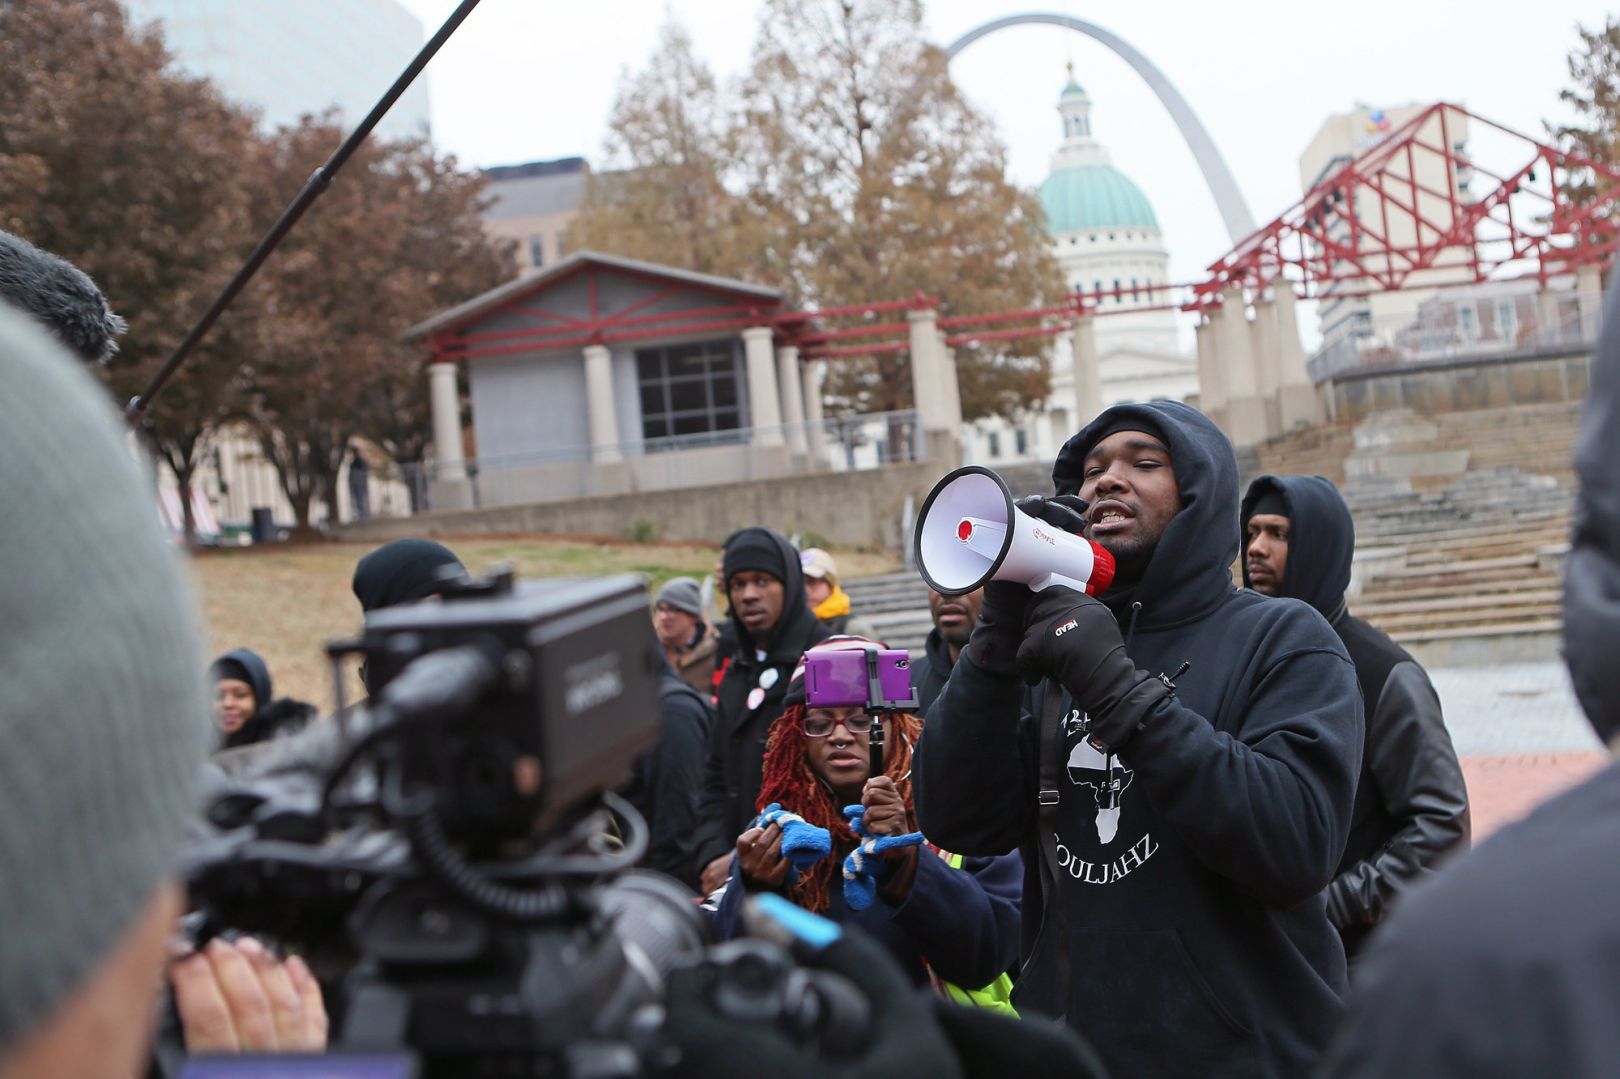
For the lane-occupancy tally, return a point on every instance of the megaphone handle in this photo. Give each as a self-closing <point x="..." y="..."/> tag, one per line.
<point x="1047" y="580"/>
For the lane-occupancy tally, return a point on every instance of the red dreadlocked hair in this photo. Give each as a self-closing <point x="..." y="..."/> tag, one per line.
<point x="788" y="779"/>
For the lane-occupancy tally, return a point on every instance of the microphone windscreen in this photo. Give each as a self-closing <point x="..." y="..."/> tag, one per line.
<point x="60" y="296"/>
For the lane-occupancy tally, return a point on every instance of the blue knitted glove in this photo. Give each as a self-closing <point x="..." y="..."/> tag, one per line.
<point x="803" y="844"/>
<point x="860" y="876"/>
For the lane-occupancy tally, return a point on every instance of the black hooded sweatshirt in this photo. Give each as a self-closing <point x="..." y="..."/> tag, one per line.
<point x="930" y="670"/>
<point x="1508" y="963"/>
<point x="1193" y="862"/>
<point x="1411" y="802"/>
<point x="271" y="718"/>
<point x="736" y="750"/>
<point x="667" y="779"/>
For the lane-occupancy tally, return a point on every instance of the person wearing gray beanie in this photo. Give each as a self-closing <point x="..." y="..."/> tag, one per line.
<point x="689" y="642"/>
<point x="103" y="722"/>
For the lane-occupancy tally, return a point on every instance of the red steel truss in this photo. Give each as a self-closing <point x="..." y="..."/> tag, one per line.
<point x="1407" y="212"/>
<point x="1402" y="214"/>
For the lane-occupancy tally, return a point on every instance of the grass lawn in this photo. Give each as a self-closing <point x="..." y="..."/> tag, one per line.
<point x="286" y="602"/>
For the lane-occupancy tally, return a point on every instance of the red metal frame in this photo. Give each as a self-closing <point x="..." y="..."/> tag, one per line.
<point x="1323" y="246"/>
<point x="1343" y="230"/>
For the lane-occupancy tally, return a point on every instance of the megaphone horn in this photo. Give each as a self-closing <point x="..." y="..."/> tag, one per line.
<point x="969" y="532"/>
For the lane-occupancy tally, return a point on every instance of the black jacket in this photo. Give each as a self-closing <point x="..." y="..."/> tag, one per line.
<point x="930" y="670"/>
<point x="1592" y="575"/>
<point x="1411" y="803"/>
<point x="1192" y="864"/>
<point x="736" y="748"/>
<point x="1508" y="963"/>
<point x="666" y="781"/>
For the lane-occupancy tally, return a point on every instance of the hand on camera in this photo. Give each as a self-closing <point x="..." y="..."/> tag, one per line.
<point x="759" y="857"/>
<point x="1074" y="639"/>
<point x="237" y="997"/>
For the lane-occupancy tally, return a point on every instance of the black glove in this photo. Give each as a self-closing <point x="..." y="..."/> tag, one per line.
<point x="1000" y="628"/>
<point x="1074" y="639"/>
<point x="991" y="1045"/>
<point x="902" y="1034"/>
<point x="1067" y="512"/>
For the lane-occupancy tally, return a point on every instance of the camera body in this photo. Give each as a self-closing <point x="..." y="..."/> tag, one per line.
<point x="873" y="679"/>
<point x="454" y="867"/>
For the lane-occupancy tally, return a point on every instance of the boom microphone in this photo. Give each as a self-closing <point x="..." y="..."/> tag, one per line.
<point x="969" y="532"/>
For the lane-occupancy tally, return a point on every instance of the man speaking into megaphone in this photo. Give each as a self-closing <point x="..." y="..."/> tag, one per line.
<point x="1181" y="779"/>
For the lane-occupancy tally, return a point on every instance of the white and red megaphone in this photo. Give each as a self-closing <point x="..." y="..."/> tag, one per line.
<point x="969" y="532"/>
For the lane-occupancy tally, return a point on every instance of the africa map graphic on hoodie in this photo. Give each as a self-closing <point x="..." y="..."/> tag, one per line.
<point x="1105" y="779"/>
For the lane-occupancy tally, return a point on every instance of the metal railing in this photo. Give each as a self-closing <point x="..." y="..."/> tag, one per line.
<point x="1461" y="324"/>
<point x="739" y="455"/>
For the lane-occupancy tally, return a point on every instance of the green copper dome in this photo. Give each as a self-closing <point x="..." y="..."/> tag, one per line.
<point x="1086" y="197"/>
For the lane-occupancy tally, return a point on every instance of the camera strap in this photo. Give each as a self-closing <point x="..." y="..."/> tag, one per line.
<point x="1050" y="724"/>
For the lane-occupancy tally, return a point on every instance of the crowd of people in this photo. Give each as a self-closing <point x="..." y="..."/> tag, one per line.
<point x="1212" y="827"/>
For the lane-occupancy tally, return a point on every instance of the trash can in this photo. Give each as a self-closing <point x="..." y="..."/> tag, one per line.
<point x="264" y="525"/>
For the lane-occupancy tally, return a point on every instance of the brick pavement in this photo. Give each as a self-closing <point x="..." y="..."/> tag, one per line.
<point x="1520" y="734"/>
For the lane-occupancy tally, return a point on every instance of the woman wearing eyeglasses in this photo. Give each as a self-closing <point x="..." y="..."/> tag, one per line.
<point x="956" y="918"/>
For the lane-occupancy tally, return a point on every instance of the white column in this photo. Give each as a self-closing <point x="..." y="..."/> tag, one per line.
<point x="1088" y="399"/>
<point x="446" y="405"/>
<point x="1267" y="362"/>
<point x="1245" y="415"/>
<point x="1297" y="400"/>
<point x="764" y="402"/>
<point x="600" y="411"/>
<point x="810" y="376"/>
<point x="1589" y="288"/>
<point x="787" y="377"/>
<point x="1211" y="371"/>
<point x="950" y="383"/>
<point x="1549" y="330"/>
<point x="925" y="373"/>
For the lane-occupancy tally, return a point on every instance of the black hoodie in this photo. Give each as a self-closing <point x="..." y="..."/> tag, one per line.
<point x="736" y="749"/>
<point x="1193" y="862"/>
<point x="1508" y="963"/>
<point x="271" y="718"/>
<point x="1411" y="803"/>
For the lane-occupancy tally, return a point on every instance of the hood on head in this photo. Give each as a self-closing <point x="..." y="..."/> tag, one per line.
<point x="1321" y="539"/>
<point x="1592" y="573"/>
<point x="403" y="571"/>
<point x="795" y="605"/>
<point x="249" y="663"/>
<point x="1191" y="566"/>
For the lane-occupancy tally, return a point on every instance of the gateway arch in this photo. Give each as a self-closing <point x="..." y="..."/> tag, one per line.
<point x="1228" y="199"/>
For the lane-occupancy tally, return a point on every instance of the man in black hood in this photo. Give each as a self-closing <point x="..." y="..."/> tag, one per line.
<point x="1411" y="803"/>
<point x="1508" y="963"/>
<point x="1180" y="835"/>
<point x="774" y="625"/>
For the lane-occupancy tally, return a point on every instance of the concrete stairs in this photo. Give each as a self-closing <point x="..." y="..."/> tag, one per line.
<point x="1462" y="521"/>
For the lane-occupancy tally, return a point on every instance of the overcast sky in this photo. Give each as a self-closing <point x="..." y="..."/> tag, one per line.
<point x="531" y="79"/>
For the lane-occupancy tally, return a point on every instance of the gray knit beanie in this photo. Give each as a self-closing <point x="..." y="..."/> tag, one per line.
<point x="103" y="714"/>
<point x="683" y="594"/>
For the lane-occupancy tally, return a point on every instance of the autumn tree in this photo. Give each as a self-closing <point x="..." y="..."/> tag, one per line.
<point x="1594" y="68"/>
<point x="850" y="170"/>
<point x="663" y="196"/>
<point x="134" y="173"/>
<point x="397" y="237"/>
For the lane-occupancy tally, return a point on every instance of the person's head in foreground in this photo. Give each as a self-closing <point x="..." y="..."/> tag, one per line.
<point x="103" y="724"/>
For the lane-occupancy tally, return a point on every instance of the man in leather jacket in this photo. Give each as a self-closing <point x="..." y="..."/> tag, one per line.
<point x="1411" y="807"/>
